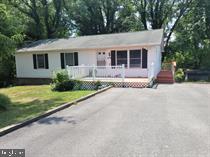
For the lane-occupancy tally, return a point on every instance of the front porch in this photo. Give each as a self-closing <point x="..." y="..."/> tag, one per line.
<point x="117" y="82"/>
<point x="109" y="75"/>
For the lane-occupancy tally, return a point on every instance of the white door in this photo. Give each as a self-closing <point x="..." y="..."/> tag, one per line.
<point x="101" y="58"/>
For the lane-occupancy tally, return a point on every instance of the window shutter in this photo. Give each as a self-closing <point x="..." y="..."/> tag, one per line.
<point x="113" y="63"/>
<point x="144" y="58"/>
<point x="76" y="62"/>
<point x="34" y="61"/>
<point x="62" y="61"/>
<point x="46" y="61"/>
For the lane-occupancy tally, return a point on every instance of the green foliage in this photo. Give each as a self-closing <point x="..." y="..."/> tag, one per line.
<point x="97" y="85"/>
<point x="4" y="102"/>
<point x="67" y="85"/>
<point x="7" y="71"/>
<point x="61" y="82"/>
<point x="102" y="16"/>
<point x="193" y="38"/>
<point x="43" y="18"/>
<point x="64" y="86"/>
<point x="10" y="36"/>
<point x="183" y="60"/>
<point x="60" y="77"/>
<point x="179" y="75"/>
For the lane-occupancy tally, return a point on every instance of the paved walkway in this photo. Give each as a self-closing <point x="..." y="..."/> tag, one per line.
<point x="171" y="121"/>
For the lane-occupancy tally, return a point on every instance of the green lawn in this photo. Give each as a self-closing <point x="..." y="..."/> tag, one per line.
<point x="30" y="101"/>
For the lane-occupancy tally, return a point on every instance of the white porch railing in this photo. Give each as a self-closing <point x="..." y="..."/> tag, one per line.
<point x="95" y="72"/>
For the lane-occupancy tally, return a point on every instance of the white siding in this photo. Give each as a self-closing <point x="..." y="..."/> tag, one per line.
<point x="155" y="57"/>
<point x="25" y="69"/>
<point x="87" y="57"/>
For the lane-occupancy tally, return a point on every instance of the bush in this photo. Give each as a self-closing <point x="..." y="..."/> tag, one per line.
<point x="4" y="102"/>
<point x="67" y="85"/>
<point x="61" y="76"/>
<point x="97" y="84"/>
<point x="179" y="75"/>
<point x="63" y="86"/>
<point x="7" y="71"/>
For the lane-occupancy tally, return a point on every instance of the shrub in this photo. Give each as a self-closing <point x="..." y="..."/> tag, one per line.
<point x="4" y="102"/>
<point x="61" y="76"/>
<point x="97" y="84"/>
<point x="63" y="86"/>
<point x="68" y="85"/>
<point x="179" y="75"/>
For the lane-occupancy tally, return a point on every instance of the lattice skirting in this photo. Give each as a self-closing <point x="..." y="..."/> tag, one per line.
<point x="91" y="84"/>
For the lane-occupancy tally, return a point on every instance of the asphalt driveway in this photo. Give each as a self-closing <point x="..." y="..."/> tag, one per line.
<point x="171" y="121"/>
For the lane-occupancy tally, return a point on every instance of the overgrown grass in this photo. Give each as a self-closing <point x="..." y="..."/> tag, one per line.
<point x="27" y="102"/>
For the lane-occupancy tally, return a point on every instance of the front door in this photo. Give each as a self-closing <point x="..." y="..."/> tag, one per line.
<point x="101" y="58"/>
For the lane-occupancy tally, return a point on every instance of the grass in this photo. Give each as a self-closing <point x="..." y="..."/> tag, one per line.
<point x="27" y="102"/>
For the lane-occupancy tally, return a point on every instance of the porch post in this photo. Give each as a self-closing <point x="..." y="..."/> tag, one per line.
<point x="152" y="74"/>
<point x="94" y="74"/>
<point x="123" y="73"/>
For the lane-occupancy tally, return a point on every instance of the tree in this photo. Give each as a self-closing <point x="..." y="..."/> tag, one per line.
<point x="101" y="16"/>
<point x="156" y="14"/>
<point x="10" y="36"/>
<point x="192" y="36"/>
<point x="45" y="18"/>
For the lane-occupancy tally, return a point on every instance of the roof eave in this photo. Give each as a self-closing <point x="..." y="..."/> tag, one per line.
<point x="93" y="48"/>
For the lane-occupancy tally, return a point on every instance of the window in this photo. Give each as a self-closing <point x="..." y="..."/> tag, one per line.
<point x="40" y="61"/>
<point x="135" y="58"/>
<point x="122" y="58"/>
<point x="69" y="59"/>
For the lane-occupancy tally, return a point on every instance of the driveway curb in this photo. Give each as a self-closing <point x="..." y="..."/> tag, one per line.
<point x="14" y="127"/>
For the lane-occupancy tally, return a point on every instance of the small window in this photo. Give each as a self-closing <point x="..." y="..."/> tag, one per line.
<point x="40" y="61"/>
<point x="69" y="59"/>
<point x="135" y="58"/>
<point x="103" y="53"/>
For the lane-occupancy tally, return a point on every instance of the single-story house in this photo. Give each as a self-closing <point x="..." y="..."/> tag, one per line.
<point x="136" y="50"/>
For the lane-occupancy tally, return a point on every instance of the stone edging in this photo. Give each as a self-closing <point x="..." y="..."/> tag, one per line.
<point x="14" y="127"/>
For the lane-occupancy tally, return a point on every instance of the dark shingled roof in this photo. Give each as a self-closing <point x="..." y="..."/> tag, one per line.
<point x="142" y="38"/>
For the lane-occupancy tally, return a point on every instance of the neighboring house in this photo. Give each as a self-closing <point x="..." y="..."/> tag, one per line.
<point x="136" y="50"/>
